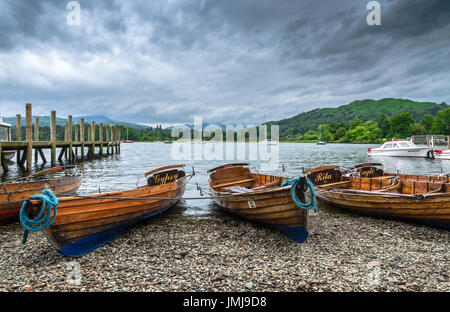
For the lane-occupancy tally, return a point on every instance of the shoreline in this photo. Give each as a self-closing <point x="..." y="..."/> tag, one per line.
<point x="344" y="252"/>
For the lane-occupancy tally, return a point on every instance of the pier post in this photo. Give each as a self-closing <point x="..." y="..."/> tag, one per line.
<point x="112" y="139"/>
<point x="69" y="129"/>
<point x="18" y="135"/>
<point x="66" y="138"/>
<point x="29" y="136"/>
<point x="100" y="132"/>
<point x="118" y="139"/>
<point x="82" y="137"/>
<point x="53" y="137"/>
<point x="76" y="138"/>
<point x="93" y="138"/>
<point x="36" y="138"/>
<point x="107" y="139"/>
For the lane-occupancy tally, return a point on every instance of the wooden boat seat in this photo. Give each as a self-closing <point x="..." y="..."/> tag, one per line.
<point x="383" y="177"/>
<point x="335" y="183"/>
<point x="232" y="183"/>
<point x="238" y="189"/>
<point x="268" y="185"/>
<point x="394" y="187"/>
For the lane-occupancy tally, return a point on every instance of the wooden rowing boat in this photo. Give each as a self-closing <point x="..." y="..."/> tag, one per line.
<point x="418" y="198"/>
<point x="12" y="195"/>
<point x="258" y="197"/>
<point x="84" y="223"/>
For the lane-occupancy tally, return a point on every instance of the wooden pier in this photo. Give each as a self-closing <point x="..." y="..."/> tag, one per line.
<point x="429" y="138"/>
<point x="71" y="149"/>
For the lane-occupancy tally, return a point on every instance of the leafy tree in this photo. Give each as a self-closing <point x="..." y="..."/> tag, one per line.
<point x="441" y="123"/>
<point x="419" y="129"/>
<point x="325" y="134"/>
<point x="311" y="135"/>
<point x="355" y="122"/>
<point x="340" y="133"/>
<point x="427" y="122"/>
<point x="402" y="125"/>
<point x="384" y="124"/>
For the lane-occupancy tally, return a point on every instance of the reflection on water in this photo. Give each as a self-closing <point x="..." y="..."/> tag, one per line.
<point x="125" y="171"/>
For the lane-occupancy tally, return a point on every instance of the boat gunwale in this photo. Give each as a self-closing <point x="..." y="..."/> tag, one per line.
<point x="109" y="194"/>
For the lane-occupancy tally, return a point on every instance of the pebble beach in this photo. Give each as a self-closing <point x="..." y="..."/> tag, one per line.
<point x="344" y="252"/>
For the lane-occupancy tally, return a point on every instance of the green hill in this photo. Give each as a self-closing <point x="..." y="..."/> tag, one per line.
<point x="362" y="109"/>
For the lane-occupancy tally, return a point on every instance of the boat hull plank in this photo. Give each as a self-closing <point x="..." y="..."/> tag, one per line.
<point x="10" y="205"/>
<point x="407" y="197"/>
<point x="273" y="206"/>
<point x="84" y="223"/>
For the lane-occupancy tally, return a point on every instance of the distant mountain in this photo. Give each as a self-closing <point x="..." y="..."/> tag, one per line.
<point x="96" y="119"/>
<point x="362" y="109"/>
<point x="45" y="121"/>
<point x="204" y="126"/>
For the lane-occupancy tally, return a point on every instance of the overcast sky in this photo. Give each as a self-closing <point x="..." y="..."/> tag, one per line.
<point x="234" y="61"/>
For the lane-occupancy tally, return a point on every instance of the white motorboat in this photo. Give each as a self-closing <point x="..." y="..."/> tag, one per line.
<point x="269" y="142"/>
<point x="442" y="153"/>
<point x="399" y="148"/>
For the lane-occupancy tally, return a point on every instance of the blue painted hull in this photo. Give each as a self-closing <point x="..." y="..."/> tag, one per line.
<point x="92" y="242"/>
<point x="298" y="234"/>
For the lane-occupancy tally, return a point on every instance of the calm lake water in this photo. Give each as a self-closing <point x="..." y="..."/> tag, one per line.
<point x="123" y="171"/>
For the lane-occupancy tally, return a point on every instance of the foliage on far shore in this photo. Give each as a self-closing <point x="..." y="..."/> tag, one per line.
<point x="400" y="126"/>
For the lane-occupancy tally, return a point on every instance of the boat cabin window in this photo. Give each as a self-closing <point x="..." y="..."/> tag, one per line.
<point x="388" y="145"/>
<point x="404" y="144"/>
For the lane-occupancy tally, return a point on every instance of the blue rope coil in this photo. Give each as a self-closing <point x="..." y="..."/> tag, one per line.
<point x="41" y="221"/>
<point x="305" y="206"/>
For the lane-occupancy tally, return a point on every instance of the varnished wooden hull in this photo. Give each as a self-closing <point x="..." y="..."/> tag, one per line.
<point x="432" y="210"/>
<point x="11" y="200"/>
<point x="85" y="223"/>
<point x="273" y="207"/>
<point x="417" y="198"/>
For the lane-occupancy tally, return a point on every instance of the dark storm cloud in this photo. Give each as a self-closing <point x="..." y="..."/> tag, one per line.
<point x="224" y="60"/>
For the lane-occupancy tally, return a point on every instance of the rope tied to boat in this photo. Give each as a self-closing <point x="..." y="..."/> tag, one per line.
<point x="41" y="221"/>
<point x="302" y="184"/>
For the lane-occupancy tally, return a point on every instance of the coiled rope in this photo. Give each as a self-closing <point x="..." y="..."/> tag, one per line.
<point x="41" y="221"/>
<point x="302" y="183"/>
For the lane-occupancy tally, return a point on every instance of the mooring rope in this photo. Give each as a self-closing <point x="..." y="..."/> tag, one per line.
<point x="303" y="183"/>
<point x="41" y="221"/>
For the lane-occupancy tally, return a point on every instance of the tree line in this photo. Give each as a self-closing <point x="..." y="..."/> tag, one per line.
<point x="400" y="126"/>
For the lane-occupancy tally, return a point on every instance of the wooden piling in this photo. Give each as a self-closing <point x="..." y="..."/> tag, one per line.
<point x="18" y="128"/>
<point x="93" y="138"/>
<point x="69" y="129"/>
<point x="53" y="137"/>
<point x="29" y="136"/>
<point x="18" y="136"/>
<point x="107" y="139"/>
<point x="112" y="140"/>
<point x="69" y="147"/>
<point x="100" y="133"/>
<point x="118" y="139"/>
<point x="66" y="138"/>
<point x="82" y="137"/>
<point x="36" y="138"/>
<point x="76" y="138"/>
